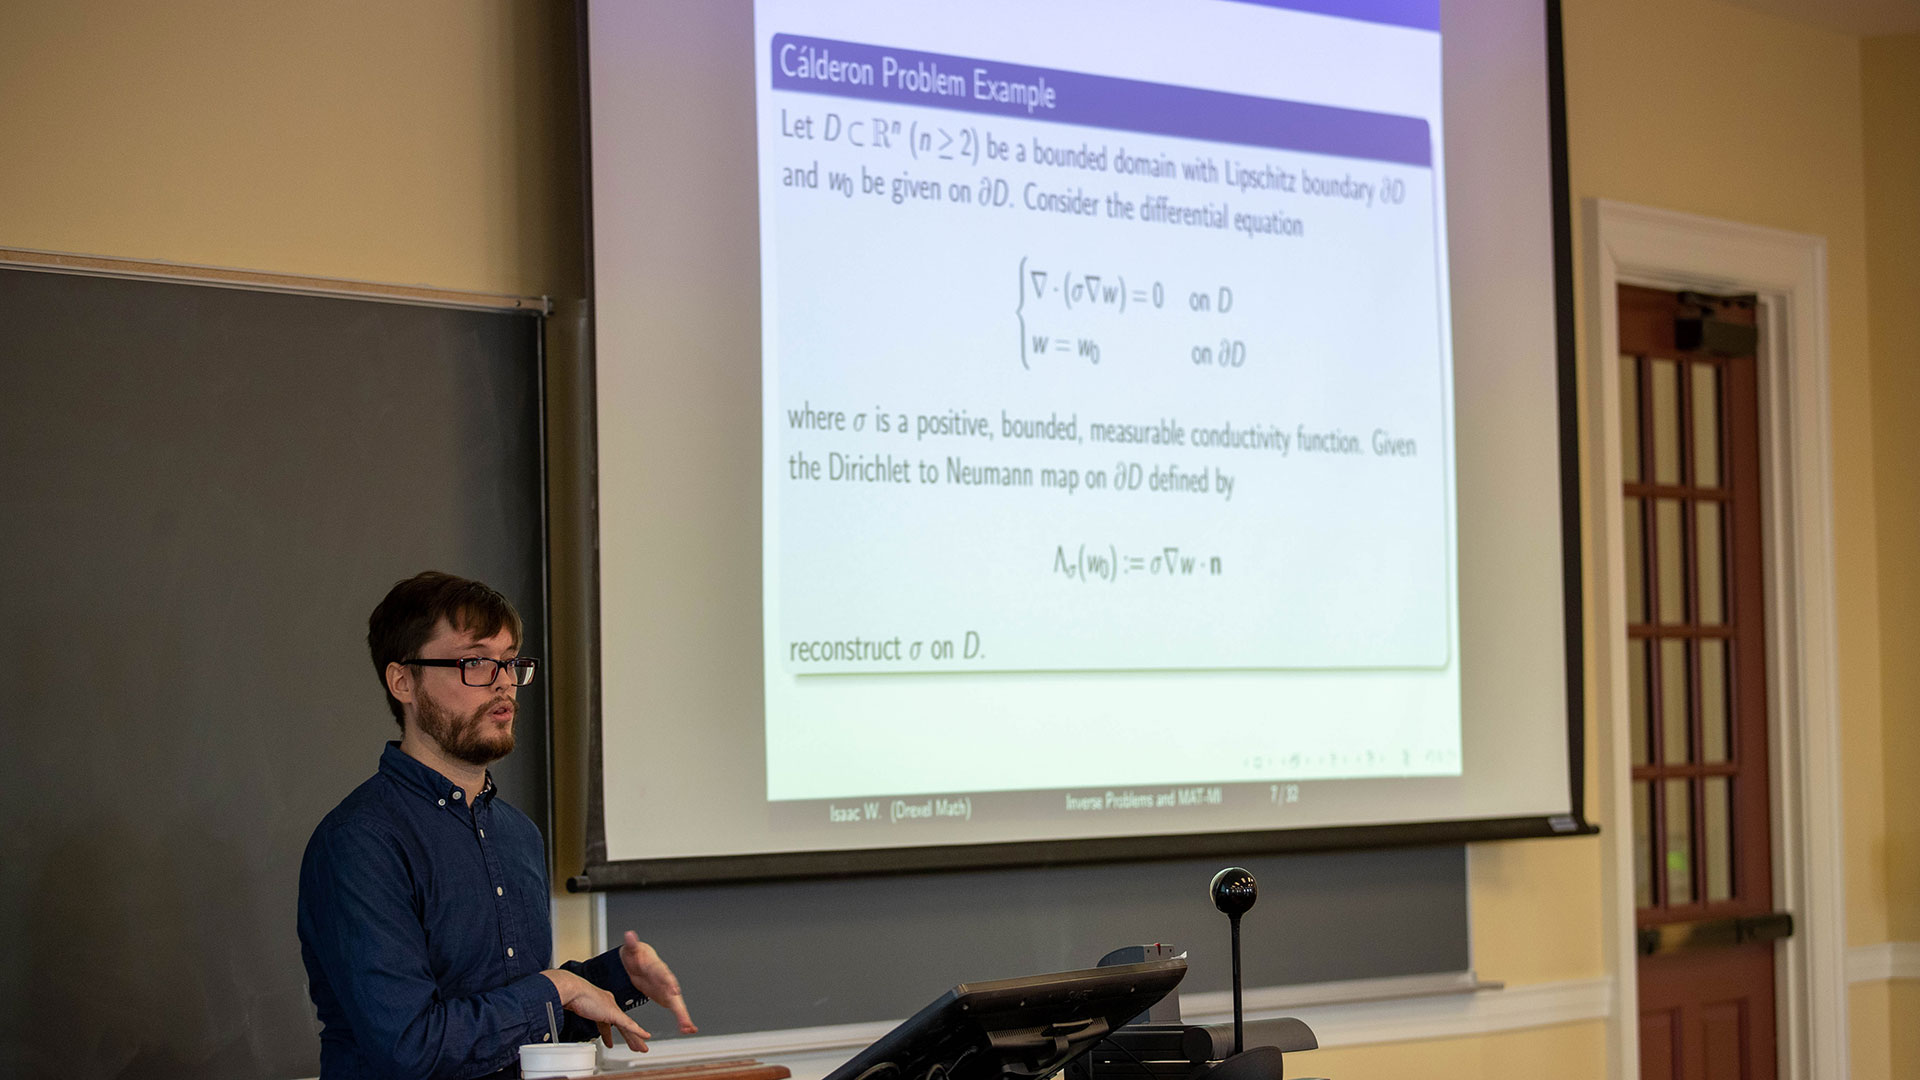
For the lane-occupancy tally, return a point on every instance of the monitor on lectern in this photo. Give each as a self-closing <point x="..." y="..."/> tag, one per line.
<point x="1019" y="1028"/>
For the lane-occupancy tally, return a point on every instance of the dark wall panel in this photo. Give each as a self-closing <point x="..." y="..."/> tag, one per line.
<point x="205" y="492"/>
<point x="803" y="954"/>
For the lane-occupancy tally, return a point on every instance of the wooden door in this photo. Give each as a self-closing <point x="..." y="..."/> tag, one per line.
<point x="1697" y="687"/>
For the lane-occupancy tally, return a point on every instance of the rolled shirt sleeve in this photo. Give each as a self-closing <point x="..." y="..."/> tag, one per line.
<point x="608" y="973"/>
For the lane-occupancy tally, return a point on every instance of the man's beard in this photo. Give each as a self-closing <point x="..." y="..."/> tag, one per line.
<point x="474" y="739"/>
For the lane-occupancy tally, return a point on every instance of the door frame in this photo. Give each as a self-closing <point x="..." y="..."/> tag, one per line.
<point x="1627" y="244"/>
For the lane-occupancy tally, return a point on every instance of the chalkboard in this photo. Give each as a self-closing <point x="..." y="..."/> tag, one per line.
<point x="779" y="955"/>
<point x="206" y="490"/>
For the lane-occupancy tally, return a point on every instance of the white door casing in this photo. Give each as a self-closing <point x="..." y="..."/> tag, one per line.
<point x="1663" y="249"/>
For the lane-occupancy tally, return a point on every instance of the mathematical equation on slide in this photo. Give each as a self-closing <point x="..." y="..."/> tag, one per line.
<point x="1096" y="563"/>
<point x="1056" y="298"/>
<point x="878" y="133"/>
<point x="883" y="133"/>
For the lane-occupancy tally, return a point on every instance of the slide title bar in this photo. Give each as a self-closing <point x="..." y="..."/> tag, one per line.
<point x="963" y="84"/>
<point x="1418" y="14"/>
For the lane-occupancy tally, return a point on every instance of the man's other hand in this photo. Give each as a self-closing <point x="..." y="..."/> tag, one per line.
<point x="651" y="977"/>
<point x="582" y="998"/>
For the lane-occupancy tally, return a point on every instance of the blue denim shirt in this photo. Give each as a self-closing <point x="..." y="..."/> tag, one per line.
<point x="424" y="926"/>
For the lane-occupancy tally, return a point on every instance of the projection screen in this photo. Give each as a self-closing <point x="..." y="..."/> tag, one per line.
<point x="1098" y="429"/>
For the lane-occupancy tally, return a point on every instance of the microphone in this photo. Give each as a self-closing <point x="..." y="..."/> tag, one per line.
<point x="1148" y="1049"/>
<point x="1233" y="891"/>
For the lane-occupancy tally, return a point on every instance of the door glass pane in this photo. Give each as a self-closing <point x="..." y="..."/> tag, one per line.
<point x="1706" y="425"/>
<point x="1708" y="564"/>
<point x="1713" y="700"/>
<point x="1665" y="391"/>
<point x="1630" y="419"/>
<point x="1679" y="842"/>
<point x="1670" y="564"/>
<point x="1634" y="527"/>
<point x="1637" y="699"/>
<point x="1673" y="703"/>
<point x="1642" y="844"/>
<point x="1717" y="818"/>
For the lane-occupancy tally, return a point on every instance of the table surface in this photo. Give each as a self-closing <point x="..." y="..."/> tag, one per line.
<point x="741" y="1069"/>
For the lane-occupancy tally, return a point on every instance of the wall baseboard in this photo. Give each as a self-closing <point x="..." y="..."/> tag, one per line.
<point x="1458" y="1011"/>
<point x="1888" y="960"/>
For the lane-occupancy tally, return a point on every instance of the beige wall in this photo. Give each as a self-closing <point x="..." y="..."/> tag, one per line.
<point x="1872" y="1050"/>
<point x="1892" y="100"/>
<point x="422" y="142"/>
<point x="432" y="141"/>
<point x="1891" y="93"/>
<point x="1557" y="1052"/>
<point x="1903" y="1009"/>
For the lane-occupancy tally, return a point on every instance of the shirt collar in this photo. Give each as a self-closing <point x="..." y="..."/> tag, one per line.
<point x="424" y="781"/>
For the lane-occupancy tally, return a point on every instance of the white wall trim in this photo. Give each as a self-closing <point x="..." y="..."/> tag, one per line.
<point x="1638" y="245"/>
<point x="812" y="1053"/>
<point x="1483" y="1012"/>
<point x="1216" y="1006"/>
<point x="1881" y="963"/>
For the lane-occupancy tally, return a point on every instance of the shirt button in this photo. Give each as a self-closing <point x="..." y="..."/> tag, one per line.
<point x="498" y="891"/>
<point x="483" y="834"/>
<point x="509" y="951"/>
<point x="456" y="794"/>
<point x="546" y="1038"/>
<point x="443" y="802"/>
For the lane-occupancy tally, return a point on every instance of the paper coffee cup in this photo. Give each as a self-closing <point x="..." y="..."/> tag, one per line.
<point x="538" y="1060"/>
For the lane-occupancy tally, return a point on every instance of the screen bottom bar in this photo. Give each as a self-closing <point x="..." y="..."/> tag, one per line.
<point x="792" y="865"/>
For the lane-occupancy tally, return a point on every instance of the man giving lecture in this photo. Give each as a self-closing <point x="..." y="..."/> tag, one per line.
<point x="423" y="896"/>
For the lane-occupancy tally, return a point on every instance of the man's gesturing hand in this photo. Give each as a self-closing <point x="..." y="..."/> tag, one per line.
<point x="651" y="977"/>
<point x="582" y="998"/>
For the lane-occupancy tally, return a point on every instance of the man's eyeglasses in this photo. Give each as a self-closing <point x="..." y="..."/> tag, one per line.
<point x="484" y="670"/>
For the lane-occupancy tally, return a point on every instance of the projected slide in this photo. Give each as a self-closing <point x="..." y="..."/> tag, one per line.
<point x="1098" y="374"/>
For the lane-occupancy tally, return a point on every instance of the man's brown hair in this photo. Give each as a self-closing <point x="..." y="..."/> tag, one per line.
<point x="407" y="618"/>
